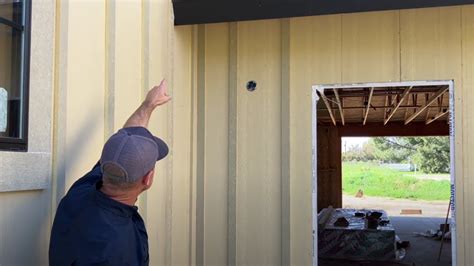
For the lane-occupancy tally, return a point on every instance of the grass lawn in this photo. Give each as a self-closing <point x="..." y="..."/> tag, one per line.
<point x="375" y="180"/>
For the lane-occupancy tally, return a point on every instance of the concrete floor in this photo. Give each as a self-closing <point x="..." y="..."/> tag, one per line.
<point x="422" y="251"/>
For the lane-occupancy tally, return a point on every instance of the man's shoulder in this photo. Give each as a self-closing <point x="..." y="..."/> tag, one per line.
<point x="89" y="179"/>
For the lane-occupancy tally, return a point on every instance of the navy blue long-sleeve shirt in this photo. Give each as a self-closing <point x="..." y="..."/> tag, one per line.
<point x="92" y="229"/>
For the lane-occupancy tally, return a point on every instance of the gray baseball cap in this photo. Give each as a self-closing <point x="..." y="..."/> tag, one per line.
<point x="131" y="153"/>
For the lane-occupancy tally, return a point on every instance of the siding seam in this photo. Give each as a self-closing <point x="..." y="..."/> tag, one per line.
<point x="285" y="144"/>
<point x="232" y="137"/>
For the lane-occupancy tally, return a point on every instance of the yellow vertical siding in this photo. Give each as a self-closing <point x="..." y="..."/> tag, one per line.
<point x="216" y="131"/>
<point x="422" y="44"/>
<point x="315" y="58"/>
<point x="106" y="64"/>
<point x="465" y="200"/>
<point x="157" y="55"/>
<point x="370" y="47"/>
<point x="221" y="195"/>
<point x="258" y="209"/>
<point x="83" y="88"/>
<point x="431" y="50"/>
<point x="431" y="44"/>
<point x="181" y="147"/>
<point x="127" y="55"/>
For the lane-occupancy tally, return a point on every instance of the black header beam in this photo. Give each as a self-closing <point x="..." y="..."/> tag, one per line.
<point x="211" y="11"/>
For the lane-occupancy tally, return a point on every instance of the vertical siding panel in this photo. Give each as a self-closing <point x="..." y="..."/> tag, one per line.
<point x="315" y="58"/>
<point x="431" y="44"/>
<point x="216" y="143"/>
<point x="84" y="106"/>
<point x="431" y="50"/>
<point x="127" y="60"/>
<point x="181" y="146"/>
<point x="467" y="231"/>
<point x="285" y="144"/>
<point x="232" y="148"/>
<point x="258" y="144"/>
<point x="156" y="59"/>
<point x="370" y="47"/>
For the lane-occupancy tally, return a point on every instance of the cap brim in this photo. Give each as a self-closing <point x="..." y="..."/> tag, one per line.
<point x="162" y="148"/>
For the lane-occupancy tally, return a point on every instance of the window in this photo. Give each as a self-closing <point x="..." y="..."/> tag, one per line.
<point x="14" y="73"/>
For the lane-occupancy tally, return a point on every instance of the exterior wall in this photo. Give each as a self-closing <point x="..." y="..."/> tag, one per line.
<point x="236" y="187"/>
<point x="92" y="63"/>
<point x="109" y="53"/>
<point x="268" y="141"/>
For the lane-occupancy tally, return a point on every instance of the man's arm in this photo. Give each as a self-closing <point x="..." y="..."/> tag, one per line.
<point x="157" y="96"/>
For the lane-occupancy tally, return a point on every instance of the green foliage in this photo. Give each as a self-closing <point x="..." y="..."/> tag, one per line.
<point x="361" y="154"/>
<point x="431" y="154"/>
<point x="387" y="150"/>
<point x="375" y="180"/>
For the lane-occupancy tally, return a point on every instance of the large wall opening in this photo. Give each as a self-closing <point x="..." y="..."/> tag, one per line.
<point x="346" y="225"/>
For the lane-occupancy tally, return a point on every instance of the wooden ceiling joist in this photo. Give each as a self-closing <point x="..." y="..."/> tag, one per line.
<point x="339" y="105"/>
<point x="414" y="98"/>
<point x="385" y="109"/>
<point x="400" y="101"/>
<point x="427" y="98"/>
<point x="440" y="103"/>
<point x="431" y="100"/>
<point x="328" y="106"/>
<point x="442" y="111"/>
<point x="436" y="117"/>
<point x="367" y="109"/>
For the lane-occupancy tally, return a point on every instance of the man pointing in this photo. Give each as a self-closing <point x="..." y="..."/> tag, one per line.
<point x="96" y="222"/>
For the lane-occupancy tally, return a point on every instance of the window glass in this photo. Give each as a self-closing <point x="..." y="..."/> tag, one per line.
<point x="13" y="73"/>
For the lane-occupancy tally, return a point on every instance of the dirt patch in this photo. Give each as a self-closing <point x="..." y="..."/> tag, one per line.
<point x="393" y="207"/>
<point x="439" y="177"/>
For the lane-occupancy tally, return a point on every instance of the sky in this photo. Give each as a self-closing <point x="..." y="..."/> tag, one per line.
<point x="353" y="141"/>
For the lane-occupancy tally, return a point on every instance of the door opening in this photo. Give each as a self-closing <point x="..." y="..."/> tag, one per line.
<point x="401" y="109"/>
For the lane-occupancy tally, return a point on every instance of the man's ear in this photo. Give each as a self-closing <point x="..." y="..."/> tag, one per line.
<point x="148" y="178"/>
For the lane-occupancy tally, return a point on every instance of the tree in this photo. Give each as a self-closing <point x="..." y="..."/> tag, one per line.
<point x="358" y="153"/>
<point x="392" y="150"/>
<point x="431" y="154"/>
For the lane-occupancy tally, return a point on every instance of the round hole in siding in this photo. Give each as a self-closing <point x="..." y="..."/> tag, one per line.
<point x="251" y="85"/>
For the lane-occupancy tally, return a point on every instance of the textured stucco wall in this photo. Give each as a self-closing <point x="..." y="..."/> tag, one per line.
<point x="25" y="177"/>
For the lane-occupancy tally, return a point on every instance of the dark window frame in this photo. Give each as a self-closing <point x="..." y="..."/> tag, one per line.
<point x="21" y="144"/>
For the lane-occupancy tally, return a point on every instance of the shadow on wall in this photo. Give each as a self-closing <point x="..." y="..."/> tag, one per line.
<point x="67" y="154"/>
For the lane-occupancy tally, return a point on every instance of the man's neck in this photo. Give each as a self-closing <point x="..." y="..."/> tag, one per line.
<point x="125" y="197"/>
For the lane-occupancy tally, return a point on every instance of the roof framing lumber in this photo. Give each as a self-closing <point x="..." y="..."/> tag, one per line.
<point x="436" y="117"/>
<point x="441" y="112"/>
<point x="427" y="98"/>
<point x="367" y="109"/>
<point x="431" y="100"/>
<point x="403" y="97"/>
<point x="328" y="106"/>
<point x="414" y="98"/>
<point x="339" y="105"/>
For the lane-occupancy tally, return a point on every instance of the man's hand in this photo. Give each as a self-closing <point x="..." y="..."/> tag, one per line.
<point x="158" y="95"/>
